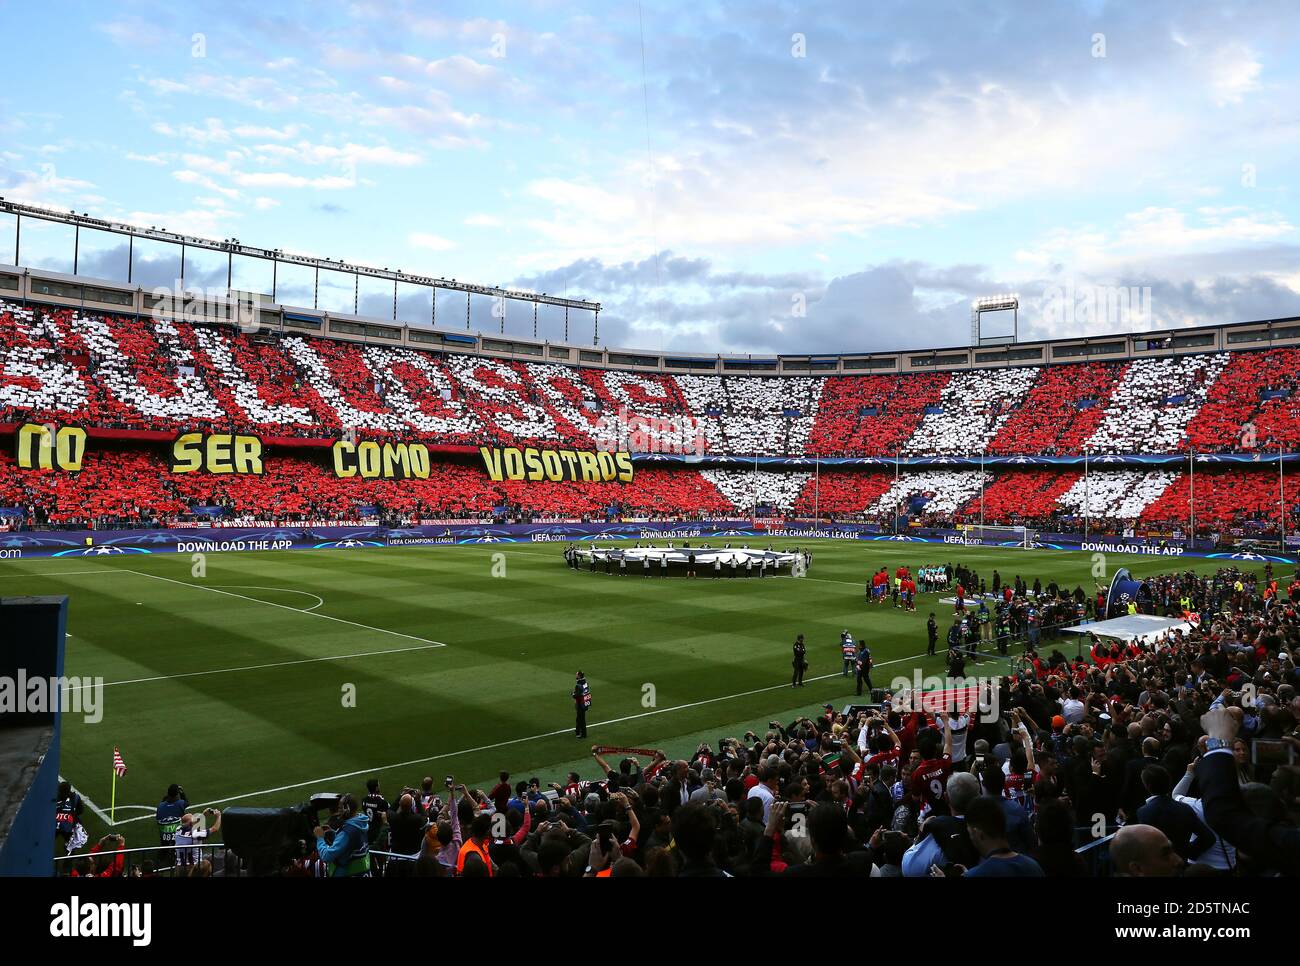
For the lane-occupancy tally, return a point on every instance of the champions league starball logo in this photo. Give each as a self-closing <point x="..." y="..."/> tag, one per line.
<point x="1250" y="556"/>
<point x="99" y="551"/>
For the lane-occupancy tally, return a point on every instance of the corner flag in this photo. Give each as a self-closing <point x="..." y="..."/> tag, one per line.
<point x="119" y="771"/>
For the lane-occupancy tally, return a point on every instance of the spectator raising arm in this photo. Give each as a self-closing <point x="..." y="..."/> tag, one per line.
<point x="1226" y="811"/>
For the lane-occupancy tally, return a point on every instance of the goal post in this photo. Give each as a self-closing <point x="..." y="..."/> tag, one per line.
<point x="1023" y="537"/>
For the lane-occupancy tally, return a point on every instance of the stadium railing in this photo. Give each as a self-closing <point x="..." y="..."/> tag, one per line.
<point x="167" y="860"/>
<point x="1096" y="857"/>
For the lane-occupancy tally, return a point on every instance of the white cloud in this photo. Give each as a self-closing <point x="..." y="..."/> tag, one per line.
<point x="1151" y="235"/>
<point x="198" y="179"/>
<point x="844" y="173"/>
<point x="434" y="243"/>
<point x="284" y="179"/>
<point x="203" y="222"/>
<point x="1233" y="73"/>
<point x="212" y="131"/>
<point x="1168" y="229"/>
<point x="347" y="154"/>
<point x="257" y="131"/>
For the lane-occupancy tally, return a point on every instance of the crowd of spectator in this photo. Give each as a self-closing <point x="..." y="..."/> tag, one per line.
<point x="137" y="373"/>
<point x="126" y="486"/>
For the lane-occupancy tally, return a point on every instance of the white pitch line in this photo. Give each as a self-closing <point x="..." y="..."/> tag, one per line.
<point x="64" y="573"/>
<point x="283" y="590"/>
<point x="99" y="812"/>
<point x="295" y="610"/>
<point x="514" y="741"/>
<point x="258" y="667"/>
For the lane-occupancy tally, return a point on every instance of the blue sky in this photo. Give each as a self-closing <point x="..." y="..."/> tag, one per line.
<point x="782" y="177"/>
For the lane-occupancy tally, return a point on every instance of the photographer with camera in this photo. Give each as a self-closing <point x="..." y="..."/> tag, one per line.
<point x="347" y="849"/>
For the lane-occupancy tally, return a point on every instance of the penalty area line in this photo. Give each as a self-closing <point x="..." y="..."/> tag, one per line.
<point x="63" y="573"/>
<point x="294" y="610"/>
<point x="258" y="667"/>
<point x="515" y="741"/>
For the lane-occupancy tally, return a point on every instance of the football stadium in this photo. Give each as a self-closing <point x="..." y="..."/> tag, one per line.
<point x="315" y="567"/>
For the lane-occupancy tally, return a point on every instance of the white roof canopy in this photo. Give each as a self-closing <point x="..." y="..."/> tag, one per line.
<point x="1134" y="625"/>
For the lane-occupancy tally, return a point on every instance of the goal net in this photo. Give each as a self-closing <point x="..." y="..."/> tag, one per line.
<point x="1006" y="536"/>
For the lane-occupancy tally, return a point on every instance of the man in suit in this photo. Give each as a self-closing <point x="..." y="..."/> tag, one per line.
<point x="1273" y="843"/>
<point x="1131" y="795"/>
<point x="677" y="792"/>
<point x="1185" y="831"/>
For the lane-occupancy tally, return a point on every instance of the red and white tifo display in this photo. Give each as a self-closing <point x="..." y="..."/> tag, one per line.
<point x="142" y="381"/>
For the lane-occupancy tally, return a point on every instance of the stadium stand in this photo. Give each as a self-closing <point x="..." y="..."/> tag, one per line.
<point x="1223" y="500"/>
<point x="132" y="374"/>
<point x="1116" y="495"/>
<point x="844" y="495"/>
<point x="153" y="374"/>
<point x="1021" y="499"/>
<point x="872" y="415"/>
<point x="746" y="489"/>
<point x="125" y="488"/>
<point x="971" y="409"/>
<point x="1150" y="408"/>
<point x="1061" y="411"/>
<point x="1236" y="414"/>
<point x="932" y="493"/>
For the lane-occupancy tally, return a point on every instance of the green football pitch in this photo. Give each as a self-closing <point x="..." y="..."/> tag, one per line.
<point x="275" y="675"/>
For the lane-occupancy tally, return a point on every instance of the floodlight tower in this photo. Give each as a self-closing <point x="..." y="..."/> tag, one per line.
<point x="994" y="303"/>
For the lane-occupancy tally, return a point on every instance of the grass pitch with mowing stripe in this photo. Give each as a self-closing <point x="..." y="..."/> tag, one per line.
<point x="230" y="684"/>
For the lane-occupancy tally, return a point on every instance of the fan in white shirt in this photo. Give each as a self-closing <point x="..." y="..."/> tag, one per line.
<point x="960" y="728"/>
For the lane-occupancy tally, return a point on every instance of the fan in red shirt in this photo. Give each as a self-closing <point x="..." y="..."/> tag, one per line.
<point x="907" y="733"/>
<point x="930" y="779"/>
<point x="879" y="744"/>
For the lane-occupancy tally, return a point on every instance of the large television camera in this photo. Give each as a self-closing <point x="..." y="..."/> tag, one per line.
<point x="265" y="839"/>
